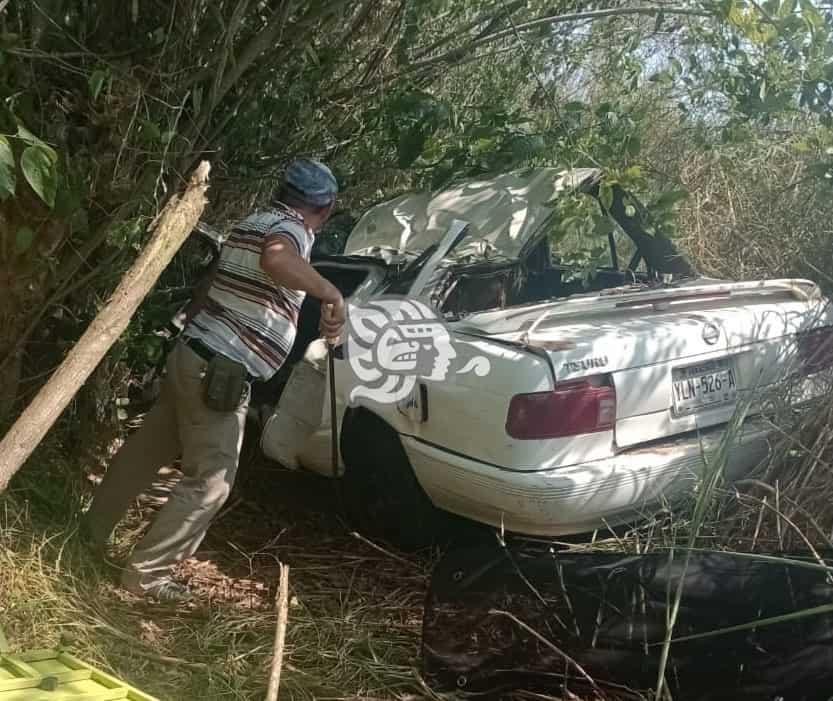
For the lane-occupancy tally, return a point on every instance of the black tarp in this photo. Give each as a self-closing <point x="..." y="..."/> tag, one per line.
<point x="607" y="612"/>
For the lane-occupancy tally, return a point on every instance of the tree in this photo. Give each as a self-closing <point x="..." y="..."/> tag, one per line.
<point x="104" y="110"/>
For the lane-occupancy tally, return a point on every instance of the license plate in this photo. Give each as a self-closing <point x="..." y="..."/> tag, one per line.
<point x="704" y="386"/>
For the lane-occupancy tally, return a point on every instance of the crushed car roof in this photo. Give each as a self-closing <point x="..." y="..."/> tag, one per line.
<point x="504" y="212"/>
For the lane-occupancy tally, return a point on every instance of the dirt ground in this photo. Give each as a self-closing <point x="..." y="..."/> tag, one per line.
<point x="354" y="617"/>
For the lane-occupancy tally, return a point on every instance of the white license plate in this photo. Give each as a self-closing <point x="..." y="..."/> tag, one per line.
<point x="704" y="386"/>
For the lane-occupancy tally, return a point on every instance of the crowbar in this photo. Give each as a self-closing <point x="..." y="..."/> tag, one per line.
<point x="331" y="372"/>
<point x="331" y="367"/>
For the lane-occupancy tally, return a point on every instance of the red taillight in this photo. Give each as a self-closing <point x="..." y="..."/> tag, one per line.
<point x="572" y="408"/>
<point x="815" y="349"/>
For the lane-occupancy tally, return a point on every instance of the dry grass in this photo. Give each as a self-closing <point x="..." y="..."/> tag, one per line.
<point x="354" y="619"/>
<point x="355" y="616"/>
<point x="754" y="208"/>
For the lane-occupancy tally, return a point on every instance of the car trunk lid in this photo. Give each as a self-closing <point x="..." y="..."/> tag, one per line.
<point x="680" y="358"/>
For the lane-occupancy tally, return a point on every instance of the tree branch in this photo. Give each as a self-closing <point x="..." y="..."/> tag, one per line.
<point x="256" y="47"/>
<point x="260" y="43"/>
<point x="358" y="22"/>
<point x="175" y="223"/>
<point x="234" y="24"/>
<point x="459" y="54"/>
<point x="490" y="16"/>
<point x="453" y="54"/>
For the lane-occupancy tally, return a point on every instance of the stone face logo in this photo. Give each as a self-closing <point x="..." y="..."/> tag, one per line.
<point x="392" y="342"/>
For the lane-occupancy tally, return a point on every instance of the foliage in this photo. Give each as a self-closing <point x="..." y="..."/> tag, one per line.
<point x="716" y="113"/>
<point x="104" y="112"/>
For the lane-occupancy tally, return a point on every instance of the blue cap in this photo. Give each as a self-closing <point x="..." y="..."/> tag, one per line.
<point x="313" y="180"/>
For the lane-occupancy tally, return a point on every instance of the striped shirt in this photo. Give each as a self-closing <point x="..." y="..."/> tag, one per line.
<point x="246" y="316"/>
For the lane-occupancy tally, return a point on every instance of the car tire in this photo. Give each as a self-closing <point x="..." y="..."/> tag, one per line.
<point x="382" y="496"/>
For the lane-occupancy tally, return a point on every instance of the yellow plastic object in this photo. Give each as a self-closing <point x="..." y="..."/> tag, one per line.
<point x="56" y="675"/>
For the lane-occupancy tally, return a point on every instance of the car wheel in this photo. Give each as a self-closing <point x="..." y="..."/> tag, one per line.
<point x="381" y="493"/>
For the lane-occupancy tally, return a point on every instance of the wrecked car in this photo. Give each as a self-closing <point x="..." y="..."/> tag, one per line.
<point x="564" y="402"/>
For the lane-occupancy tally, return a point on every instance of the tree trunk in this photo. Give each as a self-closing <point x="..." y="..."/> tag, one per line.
<point x="172" y="227"/>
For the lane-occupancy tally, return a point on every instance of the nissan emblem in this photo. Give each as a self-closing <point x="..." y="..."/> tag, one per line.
<point x="711" y="333"/>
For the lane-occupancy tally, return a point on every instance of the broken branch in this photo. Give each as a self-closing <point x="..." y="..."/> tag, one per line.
<point x="178" y="219"/>
<point x="282" y="604"/>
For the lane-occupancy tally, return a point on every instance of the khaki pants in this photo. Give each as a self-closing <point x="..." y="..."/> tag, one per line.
<point x="209" y="443"/>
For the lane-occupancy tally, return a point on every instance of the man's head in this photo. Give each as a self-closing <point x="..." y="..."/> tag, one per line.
<point x="310" y="187"/>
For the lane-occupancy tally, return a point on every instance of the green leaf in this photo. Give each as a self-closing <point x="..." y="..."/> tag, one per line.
<point x="196" y="96"/>
<point x="312" y="54"/>
<point x="24" y="238"/>
<point x="787" y="8"/>
<point x="150" y="131"/>
<point x="811" y="14"/>
<point x="575" y="106"/>
<point x="25" y="135"/>
<point x="670" y="198"/>
<point x="8" y="40"/>
<point x="39" y="170"/>
<point x="7" y="170"/>
<point x="571" y="224"/>
<point x="633" y="172"/>
<point x="736" y="16"/>
<point x="483" y="145"/>
<point x="96" y="82"/>
<point x="820" y="169"/>
<point x="68" y="198"/>
<point x="79" y="222"/>
<point x="410" y="146"/>
<point x="28" y="137"/>
<point x="606" y="195"/>
<point x="633" y="145"/>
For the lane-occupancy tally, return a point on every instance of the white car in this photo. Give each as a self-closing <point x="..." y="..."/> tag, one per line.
<point x="581" y="404"/>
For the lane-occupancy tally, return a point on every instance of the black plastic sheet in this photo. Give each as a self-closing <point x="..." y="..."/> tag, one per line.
<point x="498" y="621"/>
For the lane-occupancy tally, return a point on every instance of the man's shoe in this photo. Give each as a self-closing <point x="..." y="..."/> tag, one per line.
<point x="169" y="592"/>
<point x="160" y="587"/>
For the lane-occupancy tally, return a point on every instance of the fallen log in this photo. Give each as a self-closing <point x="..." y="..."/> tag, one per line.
<point x="170" y="229"/>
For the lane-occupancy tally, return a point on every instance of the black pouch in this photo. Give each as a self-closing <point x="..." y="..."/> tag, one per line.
<point x="225" y="384"/>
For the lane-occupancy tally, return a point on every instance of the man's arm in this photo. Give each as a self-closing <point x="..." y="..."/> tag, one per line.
<point x="281" y="262"/>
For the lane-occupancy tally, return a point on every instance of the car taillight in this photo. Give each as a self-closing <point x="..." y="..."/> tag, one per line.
<point x="815" y="349"/>
<point x="572" y="408"/>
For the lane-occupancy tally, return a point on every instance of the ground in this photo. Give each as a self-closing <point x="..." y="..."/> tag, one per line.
<point x="354" y="616"/>
<point x="356" y="606"/>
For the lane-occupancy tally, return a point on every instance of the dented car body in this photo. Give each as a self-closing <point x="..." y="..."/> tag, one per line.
<point x="605" y="397"/>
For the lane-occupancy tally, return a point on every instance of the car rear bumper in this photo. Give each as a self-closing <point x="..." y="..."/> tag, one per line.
<point x="579" y="498"/>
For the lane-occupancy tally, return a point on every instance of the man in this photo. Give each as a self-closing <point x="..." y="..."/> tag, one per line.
<point x="245" y="326"/>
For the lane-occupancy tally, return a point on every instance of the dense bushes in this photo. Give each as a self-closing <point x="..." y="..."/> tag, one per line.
<point x="716" y="113"/>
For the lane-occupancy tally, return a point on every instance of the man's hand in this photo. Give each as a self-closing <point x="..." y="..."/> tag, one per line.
<point x="333" y="316"/>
